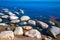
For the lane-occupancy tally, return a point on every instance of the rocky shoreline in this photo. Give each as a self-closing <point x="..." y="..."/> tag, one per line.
<point x="22" y="28"/>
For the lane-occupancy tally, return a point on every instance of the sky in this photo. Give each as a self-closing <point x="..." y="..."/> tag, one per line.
<point x="33" y="0"/>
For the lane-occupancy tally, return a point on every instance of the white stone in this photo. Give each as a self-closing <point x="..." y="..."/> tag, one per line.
<point x="13" y="17"/>
<point x="15" y="21"/>
<point x="18" y="31"/>
<point x="33" y="33"/>
<point x="11" y="14"/>
<point x="2" y="24"/>
<point x="5" y="10"/>
<point x="5" y="16"/>
<point x="0" y="20"/>
<point x="42" y="24"/>
<point x="51" y="22"/>
<point x="32" y="22"/>
<point x="6" y="35"/>
<point x="1" y="14"/>
<point x="25" y="18"/>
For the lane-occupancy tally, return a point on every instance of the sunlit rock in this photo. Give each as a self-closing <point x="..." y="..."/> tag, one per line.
<point x="33" y="33"/>
<point x="5" y="16"/>
<point x="42" y="24"/>
<point x="27" y="27"/>
<point x="51" y="22"/>
<point x="25" y="18"/>
<point x="13" y="17"/>
<point x="32" y="22"/>
<point x="0" y="20"/>
<point x="18" y="31"/>
<point x="15" y="21"/>
<point x="6" y="35"/>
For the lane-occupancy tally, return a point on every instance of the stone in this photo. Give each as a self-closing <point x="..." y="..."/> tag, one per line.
<point x="7" y="35"/>
<point x="13" y="17"/>
<point x="2" y="24"/>
<point x="21" y="11"/>
<point x="23" y="23"/>
<point x="54" y="31"/>
<point x="15" y="21"/>
<point x="5" y="16"/>
<point x="33" y="33"/>
<point x="32" y="22"/>
<point x="25" y="18"/>
<point x="1" y="14"/>
<point x="51" y="22"/>
<point x="27" y="27"/>
<point x="5" y="10"/>
<point x="0" y="20"/>
<point x="18" y="31"/>
<point x="11" y="14"/>
<point x="43" y="24"/>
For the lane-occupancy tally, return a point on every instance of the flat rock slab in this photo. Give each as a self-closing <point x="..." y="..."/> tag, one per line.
<point x="24" y="38"/>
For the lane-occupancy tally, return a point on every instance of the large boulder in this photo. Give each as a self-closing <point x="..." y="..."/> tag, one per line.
<point x="53" y="31"/>
<point x="27" y="27"/>
<point x="18" y="31"/>
<point x="32" y="22"/>
<point x="42" y="24"/>
<point x="25" y="18"/>
<point x="6" y="35"/>
<point x="33" y="33"/>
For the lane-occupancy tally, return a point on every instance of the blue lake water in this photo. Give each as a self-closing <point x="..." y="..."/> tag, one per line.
<point x="32" y="9"/>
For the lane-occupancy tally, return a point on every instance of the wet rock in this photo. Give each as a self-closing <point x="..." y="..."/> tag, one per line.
<point x="54" y="31"/>
<point x="1" y="14"/>
<point x="5" y="16"/>
<point x="5" y="10"/>
<point x="33" y="33"/>
<point x="15" y="21"/>
<point x="6" y="35"/>
<point x="42" y="24"/>
<point x="23" y="23"/>
<point x="27" y="27"/>
<point x="51" y="22"/>
<point x="32" y="22"/>
<point x="13" y="17"/>
<point x="0" y="20"/>
<point x="25" y="18"/>
<point x="21" y="11"/>
<point x="18" y="31"/>
<point x="11" y="14"/>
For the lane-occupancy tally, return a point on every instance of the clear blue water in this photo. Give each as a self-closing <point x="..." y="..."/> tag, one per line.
<point x="34" y="8"/>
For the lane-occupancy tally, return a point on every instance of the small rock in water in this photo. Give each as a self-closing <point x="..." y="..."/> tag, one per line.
<point x="33" y="33"/>
<point x="0" y="20"/>
<point x="21" y="11"/>
<point x="6" y="35"/>
<point x="42" y="24"/>
<point x="5" y="16"/>
<point x="25" y="18"/>
<point x="18" y="31"/>
<point x="23" y="23"/>
<point x="32" y="22"/>
<point x="1" y="14"/>
<point x="11" y="14"/>
<point x="51" y="22"/>
<point x="27" y="27"/>
<point x="5" y="10"/>
<point x="54" y="31"/>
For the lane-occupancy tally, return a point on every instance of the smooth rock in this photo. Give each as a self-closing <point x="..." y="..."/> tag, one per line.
<point x="5" y="16"/>
<point x="33" y="33"/>
<point x="1" y="14"/>
<point x="18" y="31"/>
<point x="13" y="17"/>
<point x="32" y="22"/>
<point x="25" y="18"/>
<point x="23" y="23"/>
<point x="5" y="10"/>
<point x="54" y="31"/>
<point x="6" y="35"/>
<point x="2" y="24"/>
<point x="0" y="20"/>
<point x="42" y="24"/>
<point x="27" y="27"/>
<point x="21" y="11"/>
<point x="15" y="21"/>
<point x="51" y="22"/>
<point x="11" y="14"/>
